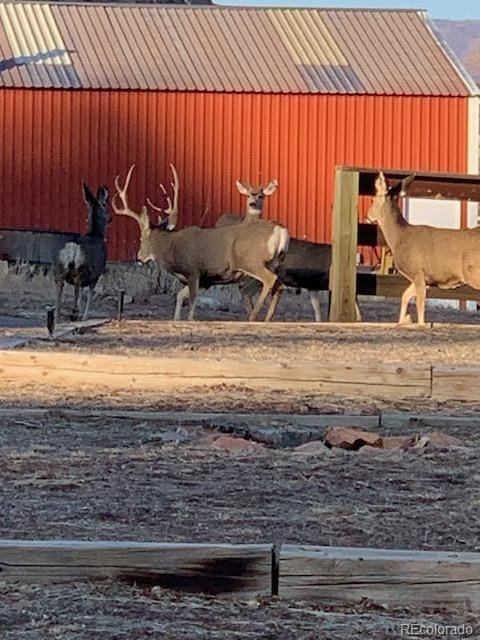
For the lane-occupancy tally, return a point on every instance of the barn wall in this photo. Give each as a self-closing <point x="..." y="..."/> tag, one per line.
<point x="50" y="140"/>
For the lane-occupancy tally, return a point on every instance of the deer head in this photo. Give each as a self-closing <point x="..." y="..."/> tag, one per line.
<point x="98" y="214"/>
<point x="256" y="195"/>
<point x="386" y="197"/>
<point x="146" y="251"/>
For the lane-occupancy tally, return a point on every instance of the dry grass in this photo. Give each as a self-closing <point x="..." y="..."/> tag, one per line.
<point x="124" y="479"/>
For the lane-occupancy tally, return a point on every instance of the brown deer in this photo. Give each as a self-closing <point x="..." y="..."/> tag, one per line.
<point x="200" y="258"/>
<point x="426" y="256"/>
<point x="306" y="265"/>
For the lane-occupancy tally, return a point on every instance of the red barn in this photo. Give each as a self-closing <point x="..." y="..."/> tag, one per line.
<point x="224" y="93"/>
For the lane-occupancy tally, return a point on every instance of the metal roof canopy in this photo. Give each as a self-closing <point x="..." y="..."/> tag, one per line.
<point x="214" y="48"/>
<point x="449" y="186"/>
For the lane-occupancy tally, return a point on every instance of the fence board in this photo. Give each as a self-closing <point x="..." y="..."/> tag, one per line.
<point x="60" y="332"/>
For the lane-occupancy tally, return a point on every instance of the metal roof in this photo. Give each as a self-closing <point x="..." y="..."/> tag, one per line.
<point x="225" y="49"/>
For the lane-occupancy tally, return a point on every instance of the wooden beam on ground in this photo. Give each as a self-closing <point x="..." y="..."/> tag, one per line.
<point x="382" y="421"/>
<point x="344" y="247"/>
<point x="411" y="422"/>
<point x="459" y="383"/>
<point x="147" y="373"/>
<point x="273" y="420"/>
<point x="61" y="331"/>
<point x="346" y="576"/>
<point x="218" y="569"/>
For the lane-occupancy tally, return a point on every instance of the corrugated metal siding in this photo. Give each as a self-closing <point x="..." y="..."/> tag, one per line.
<point x="225" y="49"/>
<point x="213" y="140"/>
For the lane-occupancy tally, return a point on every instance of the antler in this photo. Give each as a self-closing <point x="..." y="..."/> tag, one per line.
<point x="141" y="218"/>
<point x="206" y="211"/>
<point x="172" y="206"/>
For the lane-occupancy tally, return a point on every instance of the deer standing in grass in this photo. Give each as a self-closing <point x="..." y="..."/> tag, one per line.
<point x="426" y="256"/>
<point x="200" y="258"/>
<point x="82" y="262"/>
<point x="306" y="265"/>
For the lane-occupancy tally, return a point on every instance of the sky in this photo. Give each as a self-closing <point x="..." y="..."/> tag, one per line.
<point x="436" y="8"/>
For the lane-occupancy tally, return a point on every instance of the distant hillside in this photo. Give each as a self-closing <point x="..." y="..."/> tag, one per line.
<point x="463" y="36"/>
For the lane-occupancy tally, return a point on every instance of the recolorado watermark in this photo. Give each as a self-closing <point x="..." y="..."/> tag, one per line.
<point x="434" y="630"/>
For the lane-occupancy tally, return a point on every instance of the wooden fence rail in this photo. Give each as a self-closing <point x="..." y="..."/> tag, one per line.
<point x="327" y="575"/>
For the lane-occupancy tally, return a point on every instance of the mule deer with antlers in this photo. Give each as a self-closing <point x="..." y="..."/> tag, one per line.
<point x="306" y="265"/>
<point x="426" y="256"/>
<point x="201" y="257"/>
<point x="81" y="262"/>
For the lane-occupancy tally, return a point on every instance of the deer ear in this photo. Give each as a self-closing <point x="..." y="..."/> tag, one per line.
<point x="87" y="194"/>
<point x="102" y="194"/>
<point x="400" y="189"/>
<point x="405" y="183"/>
<point x="270" y="188"/>
<point x="243" y="187"/>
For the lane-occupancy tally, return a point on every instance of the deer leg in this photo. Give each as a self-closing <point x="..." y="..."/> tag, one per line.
<point x="409" y="292"/>
<point x="315" y="301"/>
<point x="182" y="295"/>
<point x="76" y="296"/>
<point x="193" y="292"/>
<point x="358" y="313"/>
<point x="60" y="285"/>
<point x="421" y="295"/>
<point x="277" y="292"/>
<point x="88" y="302"/>
<point x="248" y="289"/>
<point x="268" y="279"/>
<point x="247" y="301"/>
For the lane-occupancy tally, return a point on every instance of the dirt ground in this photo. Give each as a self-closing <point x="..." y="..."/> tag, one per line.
<point x="85" y="478"/>
<point x="104" y="611"/>
<point x="131" y="479"/>
<point x="279" y="341"/>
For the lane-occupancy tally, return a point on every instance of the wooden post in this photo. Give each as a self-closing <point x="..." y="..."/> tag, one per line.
<point x="50" y="319"/>
<point x="120" y="303"/>
<point x="344" y="246"/>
